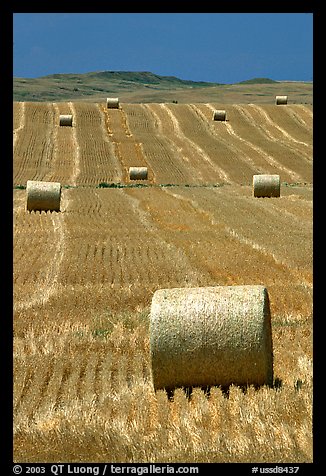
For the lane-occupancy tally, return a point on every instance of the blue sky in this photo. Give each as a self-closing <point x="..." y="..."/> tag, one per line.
<point x="216" y="47"/>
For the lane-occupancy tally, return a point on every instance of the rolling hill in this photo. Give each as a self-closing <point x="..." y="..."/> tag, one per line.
<point x="137" y="87"/>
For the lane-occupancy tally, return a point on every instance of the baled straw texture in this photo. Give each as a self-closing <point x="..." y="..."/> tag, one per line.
<point x="281" y="100"/>
<point x="65" y="119"/>
<point x="112" y="103"/>
<point x="43" y="196"/>
<point x="211" y="336"/>
<point x="219" y="115"/>
<point x="266" y="185"/>
<point x="138" y="173"/>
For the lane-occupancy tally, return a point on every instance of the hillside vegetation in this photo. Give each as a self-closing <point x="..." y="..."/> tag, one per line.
<point x="136" y="87"/>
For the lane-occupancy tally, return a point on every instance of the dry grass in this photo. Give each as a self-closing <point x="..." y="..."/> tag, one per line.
<point x="83" y="392"/>
<point x="178" y="143"/>
<point x="84" y="278"/>
<point x="82" y="382"/>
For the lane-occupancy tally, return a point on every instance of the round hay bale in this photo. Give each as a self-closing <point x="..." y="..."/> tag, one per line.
<point x="43" y="196"/>
<point x="65" y="120"/>
<point x="266" y="185"/>
<point x="138" y="173"/>
<point x="112" y="103"/>
<point x="281" y="100"/>
<point x="211" y="336"/>
<point x="219" y="115"/>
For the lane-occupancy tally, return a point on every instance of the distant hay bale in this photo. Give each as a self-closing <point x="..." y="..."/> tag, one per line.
<point x="65" y="119"/>
<point x="138" y="173"/>
<point x="266" y="185"/>
<point x="112" y="103"/>
<point x="281" y="100"/>
<point x="219" y="115"/>
<point x="211" y="336"/>
<point x="43" y="196"/>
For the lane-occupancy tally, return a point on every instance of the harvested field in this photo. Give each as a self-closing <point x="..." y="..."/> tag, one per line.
<point x="179" y="143"/>
<point x="84" y="278"/>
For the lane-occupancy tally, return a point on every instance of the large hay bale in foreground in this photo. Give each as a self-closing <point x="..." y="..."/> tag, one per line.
<point x="138" y="173"/>
<point x="43" y="196"/>
<point x="211" y="336"/>
<point x="279" y="100"/>
<point x="266" y="185"/>
<point x="65" y="120"/>
<point x="112" y="103"/>
<point x="219" y="115"/>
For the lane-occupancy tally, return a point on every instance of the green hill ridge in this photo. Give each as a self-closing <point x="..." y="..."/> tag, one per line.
<point x="129" y="86"/>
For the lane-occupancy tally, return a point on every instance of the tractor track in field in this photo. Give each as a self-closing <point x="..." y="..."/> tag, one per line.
<point x="84" y="278"/>
<point x="173" y="164"/>
<point x="274" y="162"/>
<point x="100" y="232"/>
<point x="273" y="125"/>
<point x="76" y="169"/>
<point x="128" y="150"/>
<point x="224" y="176"/>
<point x="296" y="273"/>
<point x="21" y="122"/>
<point x="245" y="157"/>
<point x="292" y="112"/>
<point x="48" y="285"/>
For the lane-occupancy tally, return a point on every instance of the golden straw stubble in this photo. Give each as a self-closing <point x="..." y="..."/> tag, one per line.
<point x="211" y="336"/>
